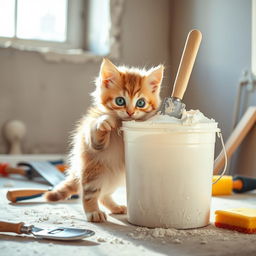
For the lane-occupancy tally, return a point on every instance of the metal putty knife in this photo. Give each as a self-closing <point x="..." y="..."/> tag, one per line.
<point x="44" y="169"/>
<point x="59" y="233"/>
<point x="173" y="106"/>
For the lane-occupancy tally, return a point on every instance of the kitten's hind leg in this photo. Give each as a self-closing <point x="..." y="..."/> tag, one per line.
<point x="90" y="204"/>
<point x="108" y="202"/>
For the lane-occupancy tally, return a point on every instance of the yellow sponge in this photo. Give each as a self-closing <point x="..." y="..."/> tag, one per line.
<point x="241" y="219"/>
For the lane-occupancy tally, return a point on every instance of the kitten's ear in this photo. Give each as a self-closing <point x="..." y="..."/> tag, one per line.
<point x="109" y="73"/>
<point x="155" y="78"/>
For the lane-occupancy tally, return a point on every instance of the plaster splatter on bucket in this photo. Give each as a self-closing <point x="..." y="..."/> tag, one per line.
<point x="169" y="166"/>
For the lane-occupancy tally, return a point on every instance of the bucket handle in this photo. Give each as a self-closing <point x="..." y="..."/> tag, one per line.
<point x="225" y="157"/>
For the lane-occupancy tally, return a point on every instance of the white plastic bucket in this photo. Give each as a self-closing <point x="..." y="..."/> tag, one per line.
<point x="169" y="170"/>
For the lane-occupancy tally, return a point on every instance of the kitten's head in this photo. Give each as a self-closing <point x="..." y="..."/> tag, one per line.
<point x="128" y="93"/>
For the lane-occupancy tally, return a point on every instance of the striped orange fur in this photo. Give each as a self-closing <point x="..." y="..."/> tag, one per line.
<point x="97" y="157"/>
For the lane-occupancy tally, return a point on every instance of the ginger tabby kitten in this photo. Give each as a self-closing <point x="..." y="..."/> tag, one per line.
<point x="97" y="156"/>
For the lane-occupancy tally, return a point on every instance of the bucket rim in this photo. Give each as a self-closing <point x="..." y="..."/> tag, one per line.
<point x="217" y="130"/>
<point x="139" y="126"/>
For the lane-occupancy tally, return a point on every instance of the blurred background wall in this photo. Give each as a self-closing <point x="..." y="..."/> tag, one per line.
<point x="225" y="53"/>
<point x="51" y="97"/>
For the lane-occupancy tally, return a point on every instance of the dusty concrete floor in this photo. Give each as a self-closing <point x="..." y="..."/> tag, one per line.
<point x="117" y="236"/>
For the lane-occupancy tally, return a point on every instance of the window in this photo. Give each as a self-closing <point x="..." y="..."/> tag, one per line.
<point x="62" y="26"/>
<point x="34" y="19"/>
<point x="7" y="17"/>
<point x="99" y="26"/>
<point x="47" y="20"/>
<point x="59" y="21"/>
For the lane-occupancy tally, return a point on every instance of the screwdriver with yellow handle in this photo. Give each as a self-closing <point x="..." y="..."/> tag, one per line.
<point x="229" y="184"/>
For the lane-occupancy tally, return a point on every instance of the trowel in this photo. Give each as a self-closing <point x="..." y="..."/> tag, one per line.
<point x="173" y="105"/>
<point x="59" y="233"/>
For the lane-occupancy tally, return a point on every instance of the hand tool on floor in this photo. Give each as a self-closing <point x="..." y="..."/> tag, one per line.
<point x="24" y="194"/>
<point x="6" y="169"/>
<point x="173" y="106"/>
<point x="17" y="195"/>
<point x="228" y="184"/>
<point x="44" y="169"/>
<point x="58" y="233"/>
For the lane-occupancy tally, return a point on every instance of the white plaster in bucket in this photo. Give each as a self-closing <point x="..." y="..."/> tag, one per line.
<point x="169" y="166"/>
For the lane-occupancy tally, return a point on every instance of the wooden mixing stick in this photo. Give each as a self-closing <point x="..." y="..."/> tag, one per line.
<point x="237" y="136"/>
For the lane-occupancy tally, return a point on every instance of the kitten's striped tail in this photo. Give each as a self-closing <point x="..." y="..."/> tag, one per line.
<point x="63" y="191"/>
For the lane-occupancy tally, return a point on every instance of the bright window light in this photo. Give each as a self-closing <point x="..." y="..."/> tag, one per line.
<point x="63" y="24"/>
<point x="99" y="29"/>
<point x="7" y="18"/>
<point x="42" y="19"/>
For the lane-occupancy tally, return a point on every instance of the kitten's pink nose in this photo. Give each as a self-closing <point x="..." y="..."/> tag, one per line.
<point x="130" y="113"/>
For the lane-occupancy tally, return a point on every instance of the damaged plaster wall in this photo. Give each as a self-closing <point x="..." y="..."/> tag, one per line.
<point x="50" y="97"/>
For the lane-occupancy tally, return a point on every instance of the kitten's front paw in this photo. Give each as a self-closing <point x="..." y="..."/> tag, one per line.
<point x="119" y="209"/>
<point x="97" y="216"/>
<point x="106" y="123"/>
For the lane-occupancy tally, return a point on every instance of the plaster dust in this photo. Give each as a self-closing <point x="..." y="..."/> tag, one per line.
<point x="116" y="237"/>
<point x="190" y="117"/>
<point x="203" y="235"/>
<point x="9" y="184"/>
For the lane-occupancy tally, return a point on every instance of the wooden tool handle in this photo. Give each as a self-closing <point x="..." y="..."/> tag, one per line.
<point x="5" y="170"/>
<point x="12" y="170"/>
<point x="186" y="64"/>
<point x="13" y="195"/>
<point x="11" y="227"/>
<point x="237" y="136"/>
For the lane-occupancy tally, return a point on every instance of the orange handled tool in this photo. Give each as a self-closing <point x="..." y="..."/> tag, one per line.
<point x="6" y="169"/>
<point x="11" y="227"/>
<point x="57" y="233"/>
<point x="228" y="184"/>
<point x="25" y="194"/>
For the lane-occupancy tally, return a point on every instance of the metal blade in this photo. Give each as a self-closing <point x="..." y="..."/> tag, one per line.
<point x="172" y="107"/>
<point x="62" y="233"/>
<point x="45" y="169"/>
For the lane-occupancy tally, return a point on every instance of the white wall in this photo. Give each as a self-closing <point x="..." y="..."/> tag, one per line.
<point x="225" y="51"/>
<point x="50" y="97"/>
<point x="254" y="36"/>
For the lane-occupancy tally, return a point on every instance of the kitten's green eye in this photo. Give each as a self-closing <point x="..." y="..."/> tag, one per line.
<point x="140" y="103"/>
<point x="120" y="101"/>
